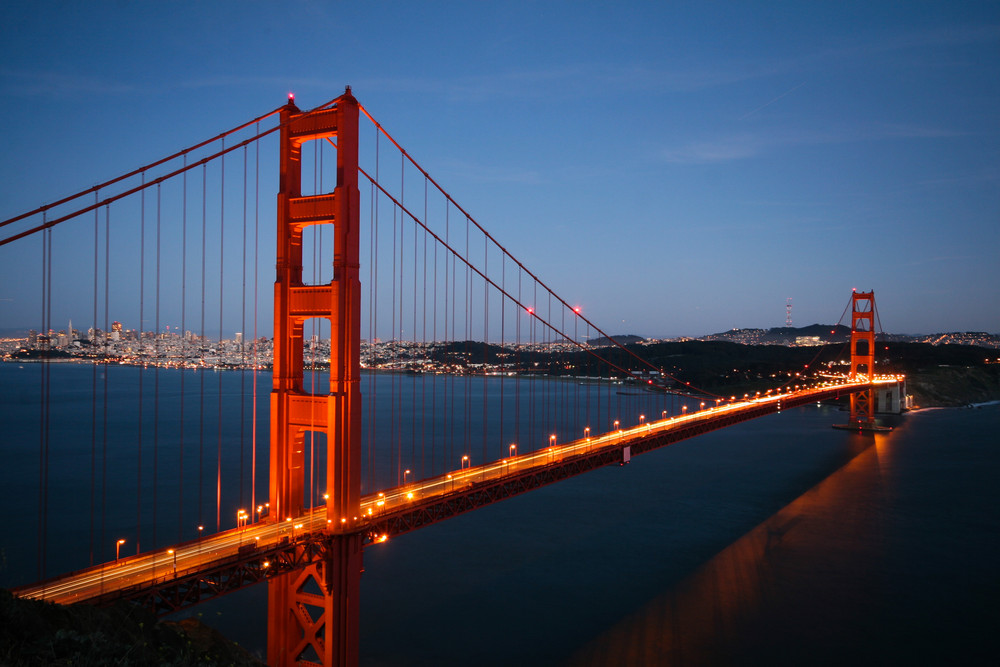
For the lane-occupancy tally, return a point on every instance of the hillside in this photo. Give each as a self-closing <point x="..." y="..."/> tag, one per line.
<point x="43" y="633"/>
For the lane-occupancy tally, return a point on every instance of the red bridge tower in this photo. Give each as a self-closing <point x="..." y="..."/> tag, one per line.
<point x="303" y="624"/>
<point x="862" y="357"/>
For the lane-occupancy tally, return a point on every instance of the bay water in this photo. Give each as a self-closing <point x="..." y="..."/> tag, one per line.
<point x="776" y="541"/>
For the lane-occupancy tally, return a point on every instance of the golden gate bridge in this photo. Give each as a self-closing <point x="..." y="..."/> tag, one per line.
<point x="403" y="269"/>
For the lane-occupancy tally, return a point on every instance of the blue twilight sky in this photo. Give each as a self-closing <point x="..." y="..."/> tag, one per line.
<point x="678" y="168"/>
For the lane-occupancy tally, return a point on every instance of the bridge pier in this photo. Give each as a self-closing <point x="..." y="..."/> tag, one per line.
<point x="892" y="399"/>
<point x="313" y="613"/>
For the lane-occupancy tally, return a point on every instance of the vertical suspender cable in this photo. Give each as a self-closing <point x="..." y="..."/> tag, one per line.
<point x="373" y="320"/>
<point x="423" y="339"/>
<point x="486" y="344"/>
<point x="47" y="370"/>
<point x="467" y="317"/>
<point x="503" y="348"/>
<point x="243" y="330"/>
<point x="434" y="338"/>
<point x="93" y="385"/>
<point x="184" y="357"/>
<point x="413" y="338"/>
<point x="142" y="365"/>
<point x="107" y="372"/>
<point x="372" y="308"/>
<point x="256" y="258"/>
<point x="532" y="433"/>
<point x="518" y="381"/>
<point x="43" y="405"/>
<point x="222" y="255"/>
<point x="449" y="288"/>
<point x="392" y="338"/>
<point x="402" y="272"/>
<point x="203" y="341"/>
<point x="372" y="332"/>
<point x="156" y="374"/>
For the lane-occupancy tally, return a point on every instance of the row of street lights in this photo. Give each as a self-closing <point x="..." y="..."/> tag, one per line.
<point x="242" y="516"/>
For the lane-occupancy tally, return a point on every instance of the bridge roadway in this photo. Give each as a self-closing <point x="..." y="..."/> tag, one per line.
<point x="170" y="579"/>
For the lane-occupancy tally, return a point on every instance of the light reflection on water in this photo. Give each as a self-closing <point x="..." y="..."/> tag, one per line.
<point x="712" y="616"/>
<point x="854" y="571"/>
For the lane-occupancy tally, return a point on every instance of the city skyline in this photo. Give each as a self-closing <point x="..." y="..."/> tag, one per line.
<point x="678" y="171"/>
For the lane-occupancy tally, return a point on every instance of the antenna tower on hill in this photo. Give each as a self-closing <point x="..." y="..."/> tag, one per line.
<point x="788" y="312"/>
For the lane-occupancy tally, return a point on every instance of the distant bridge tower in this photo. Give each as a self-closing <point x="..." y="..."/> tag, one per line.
<point x="862" y="356"/>
<point x="313" y="612"/>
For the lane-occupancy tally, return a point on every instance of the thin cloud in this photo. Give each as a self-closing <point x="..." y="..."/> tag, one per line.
<point x="710" y="152"/>
<point x="19" y="83"/>
<point x="747" y="145"/>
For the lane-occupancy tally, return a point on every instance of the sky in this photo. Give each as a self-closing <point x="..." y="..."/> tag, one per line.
<point x="678" y="168"/>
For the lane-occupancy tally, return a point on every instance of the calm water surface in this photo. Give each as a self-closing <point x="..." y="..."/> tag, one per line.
<point x="778" y="541"/>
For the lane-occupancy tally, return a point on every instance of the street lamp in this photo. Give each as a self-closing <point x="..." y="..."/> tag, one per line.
<point x="174" y="554"/>
<point x="642" y="418"/>
<point x="118" y="547"/>
<point x="552" y="440"/>
<point x="465" y="459"/>
<point x="663" y="415"/>
<point x="513" y="449"/>
<point x="405" y="474"/>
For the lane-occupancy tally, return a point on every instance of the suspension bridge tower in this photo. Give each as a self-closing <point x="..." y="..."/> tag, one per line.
<point x="313" y="612"/>
<point x="862" y="358"/>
